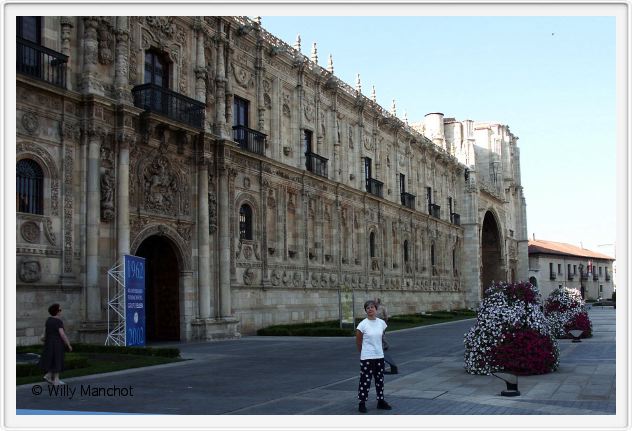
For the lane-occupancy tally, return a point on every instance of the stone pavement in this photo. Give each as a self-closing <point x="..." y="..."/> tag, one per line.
<point x="319" y="376"/>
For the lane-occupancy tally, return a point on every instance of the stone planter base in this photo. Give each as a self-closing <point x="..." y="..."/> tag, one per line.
<point x="224" y="328"/>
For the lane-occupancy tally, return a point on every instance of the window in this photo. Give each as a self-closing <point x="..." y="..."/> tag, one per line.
<point x="574" y="269"/>
<point x="551" y="267"/>
<point x="454" y="259"/>
<point x="30" y="28"/>
<point x="429" y="198"/>
<point x="307" y="141"/>
<point x="406" y="251"/>
<point x="450" y="205"/>
<point x="240" y="111"/>
<point x="402" y="183"/>
<point x="156" y="69"/>
<point x="432" y="254"/>
<point x="245" y="222"/>
<point x="568" y="269"/>
<point x="599" y="271"/>
<point x="367" y="172"/>
<point x="559" y="268"/>
<point x="601" y="288"/>
<point x="372" y="244"/>
<point x="29" y="187"/>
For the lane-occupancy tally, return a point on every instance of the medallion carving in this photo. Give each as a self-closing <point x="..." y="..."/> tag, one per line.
<point x="30" y="232"/>
<point x="30" y="270"/>
<point x="30" y="122"/>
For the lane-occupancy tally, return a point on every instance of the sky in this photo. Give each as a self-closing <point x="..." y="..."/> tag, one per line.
<point x="551" y="79"/>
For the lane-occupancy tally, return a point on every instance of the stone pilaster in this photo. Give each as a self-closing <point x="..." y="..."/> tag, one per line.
<point x="66" y="28"/>
<point x="204" y="277"/>
<point x="200" y="63"/>
<point x="121" y="64"/>
<point x="220" y="82"/>
<point x="93" y="210"/>
<point x="224" y="242"/>
<point x="122" y="194"/>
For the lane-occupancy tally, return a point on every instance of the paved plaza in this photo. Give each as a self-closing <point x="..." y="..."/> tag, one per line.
<point x="319" y="376"/>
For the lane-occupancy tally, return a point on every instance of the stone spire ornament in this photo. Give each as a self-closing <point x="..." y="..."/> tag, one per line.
<point x="314" y="57"/>
<point x="373" y="98"/>
<point x="358" y="84"/>
<point x="406" y="117"/>
<point x="330" y="64"/>
<point x="394" y="109"/>
<point x="258" y="20"/>
<point x="297" y="45"/>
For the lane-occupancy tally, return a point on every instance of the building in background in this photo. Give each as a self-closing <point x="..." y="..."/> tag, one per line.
<point x="254" y="181"/>
<point x="554" y="265"/>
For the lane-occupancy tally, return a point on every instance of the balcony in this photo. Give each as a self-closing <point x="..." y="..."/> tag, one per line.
<point x="434" y="210"/>
<point x="249" y="139"/>
<point x="553" y="276"/>
<point x="41" y="63"/>
<point x="375" y="187"/>
<point x="316" y="164"/>
<point x="455" y="218"/>
<point x="408" y="200"/>
<point x="170" y="104"/>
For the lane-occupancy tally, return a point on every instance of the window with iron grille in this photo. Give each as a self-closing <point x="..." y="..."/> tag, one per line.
<point x="245" y="222"/>
<point x="29" y="187"/>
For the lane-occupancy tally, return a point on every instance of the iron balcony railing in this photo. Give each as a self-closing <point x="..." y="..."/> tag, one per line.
<point x="249" y="139"/>
<point x="408" y="200"/>
<point x="316" y="164"/>
<point x="41" y="63"/>
<point x="455" y="218"/>
<point x="374" y="187"/>
<point x="170" y="104"/>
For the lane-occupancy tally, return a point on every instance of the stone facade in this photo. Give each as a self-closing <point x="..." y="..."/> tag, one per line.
<point x="317" y="187"/>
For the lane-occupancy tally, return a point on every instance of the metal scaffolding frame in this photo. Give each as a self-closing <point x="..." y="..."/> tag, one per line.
<point x="116" y="305"/>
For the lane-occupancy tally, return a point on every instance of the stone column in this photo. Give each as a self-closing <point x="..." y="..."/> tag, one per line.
<point x="66" y="26"/>
<point x="121" y="62"/>
<point x="220" y="81"/>
<point x="200" y="64"/>
<point x="224" y="243"/>
<point x="89" y="78"/>
<point x="204" y="276"/>
<point x="122" y="195"/>
<point x="93" y="210"/>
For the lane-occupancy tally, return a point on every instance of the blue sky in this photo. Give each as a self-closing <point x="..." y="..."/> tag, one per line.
<point x="551" y="79"/>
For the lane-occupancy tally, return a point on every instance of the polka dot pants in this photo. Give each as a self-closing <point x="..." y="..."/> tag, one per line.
<point x="371" y="368"/>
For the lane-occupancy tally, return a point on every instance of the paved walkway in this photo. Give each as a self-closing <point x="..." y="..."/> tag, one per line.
<point x="319" y="376"/>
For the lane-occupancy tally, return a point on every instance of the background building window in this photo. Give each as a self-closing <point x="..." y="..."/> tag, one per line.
<point x="29" y="187"/>
<point x="245" y="222"/>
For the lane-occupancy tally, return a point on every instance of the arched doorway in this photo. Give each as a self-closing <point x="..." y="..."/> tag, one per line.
<point x="491" y="252"/>
<point x="162" y="289"/>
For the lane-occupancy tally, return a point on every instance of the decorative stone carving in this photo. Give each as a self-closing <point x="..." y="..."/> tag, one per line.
<point x="30" y="231"/>
<point x="30" y="270"/>
<point x="107" y="195"/>
<point x="243" y="77"/>
<point x="275" y="278"/>
<point x="212" y="212"/>
<point x="48" y="231"/>
<point x="246" y="182"/>
<point x="160" y="187"/>
<point x="286" y="110"/>
<point x="297" y="279"/>
<point x="30" y="122"/>
<point x="68" y="208"/>
<point x="106" y="40"/>
<point x="249" y="277"/>
<point x="308" y="111"/>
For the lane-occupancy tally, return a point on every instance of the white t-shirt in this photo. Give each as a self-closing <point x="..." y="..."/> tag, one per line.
<point x="372" y="331"/>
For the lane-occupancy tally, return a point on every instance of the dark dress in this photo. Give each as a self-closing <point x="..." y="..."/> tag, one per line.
<point x="52" y="359"/>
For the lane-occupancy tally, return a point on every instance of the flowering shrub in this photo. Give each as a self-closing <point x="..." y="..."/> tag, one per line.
<point x="511" y="333"/>
<point x="565" y="310"/>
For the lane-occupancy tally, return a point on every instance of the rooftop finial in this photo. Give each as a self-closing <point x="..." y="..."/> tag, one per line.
<point x="297" y="45"/>
<point x="258" y="20"/>
<point x="373" y="98"/>
<point x="358" y="84"/>
<point x="330" y="65"/>
<point x="394" y="109"/>
<point x="406" y="117"/>
<point x="314" y="53"/>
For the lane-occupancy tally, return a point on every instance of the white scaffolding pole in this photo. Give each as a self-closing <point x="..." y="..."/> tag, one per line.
<point x="116" y="305"/>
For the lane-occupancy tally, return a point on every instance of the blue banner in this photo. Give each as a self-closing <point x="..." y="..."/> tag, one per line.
<point x="134" y="301"/>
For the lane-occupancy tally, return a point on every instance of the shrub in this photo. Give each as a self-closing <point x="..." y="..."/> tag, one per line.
<point x="565" y="310"/>
<point x="511" y="333"/>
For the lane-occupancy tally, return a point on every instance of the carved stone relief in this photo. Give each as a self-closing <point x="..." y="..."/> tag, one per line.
<point x="30" y="232"/>
<point x="30" y="122"/>
<point x="30" y="270"/>
<point x="243" y="76"/>
<point x="107" y="195"/>
<point x="106" y="42"/>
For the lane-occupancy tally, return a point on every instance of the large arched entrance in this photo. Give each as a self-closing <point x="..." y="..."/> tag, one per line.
<point x="491" y="252"/>
<point x="162" y="290"/>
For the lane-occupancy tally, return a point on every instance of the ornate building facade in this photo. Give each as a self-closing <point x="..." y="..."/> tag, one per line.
<point x="254" y="181"/>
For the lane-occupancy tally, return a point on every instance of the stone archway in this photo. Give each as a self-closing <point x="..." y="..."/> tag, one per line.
<point x="162" y="288"/>
<point x="491" y="252"/>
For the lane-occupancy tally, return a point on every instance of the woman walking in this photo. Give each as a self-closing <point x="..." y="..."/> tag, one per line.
<point x="369" y="342"/>
<point x="52" y="360"/>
